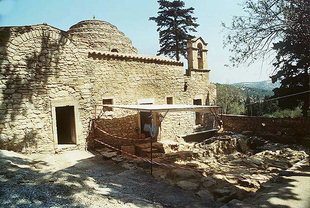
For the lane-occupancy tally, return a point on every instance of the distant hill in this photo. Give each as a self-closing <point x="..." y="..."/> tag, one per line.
<point x="233" y="98"/>
<point x="264" y="85"/>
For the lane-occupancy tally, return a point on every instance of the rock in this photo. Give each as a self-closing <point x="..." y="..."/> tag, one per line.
<point x="160" y="173"/>
<point x="248" y="183"/>
<point x="236" y="204"/>
<point x="180" y="173"/>
<point x="117" y="159"/>
<point x="257" y="161"/>
<point x="228" y="197"/>
<point x="256" y="142"/>
<point x="128" y="166"/>
<point x="208" y="182"/>
<point x="205" y="194"/>
<point x="242" y="146"/>
<point x="187" y="185"/>
<point x="129" y="149"/>
<point x="222" y="191"/>
<point x="108" y="155"/>
<point x="247" y="132"/>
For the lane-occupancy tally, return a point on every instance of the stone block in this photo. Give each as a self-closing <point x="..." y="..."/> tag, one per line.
<point x="205" y="194"/>
<point x="187" y="185"/>
<point x="129" y="149"/>
<point x="16" y="96"/>
<point x="9" y="91"/>
<point x="180" y="173"/>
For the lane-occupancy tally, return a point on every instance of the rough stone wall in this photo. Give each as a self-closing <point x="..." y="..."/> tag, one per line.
<point x="260" y="125"/>
<point x="42" y="66"/>
<point x="127" y="82"/>
<point x="37" y="65"/>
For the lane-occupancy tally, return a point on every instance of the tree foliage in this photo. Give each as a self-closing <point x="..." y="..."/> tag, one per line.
<point x="174" y="24"/>
<point x="280" y="27"/>
<point x="243" y="100"/>
<point x="251" y="36"/>
<point x="230" y="98"/>
<point x="292" y="60"/>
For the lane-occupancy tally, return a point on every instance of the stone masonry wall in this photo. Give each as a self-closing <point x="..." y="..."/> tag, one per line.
<point x="37" y="66"/>
<point x="265" y="126"/>
<point x="127" y="82"/>
<point x="41" y="66"/>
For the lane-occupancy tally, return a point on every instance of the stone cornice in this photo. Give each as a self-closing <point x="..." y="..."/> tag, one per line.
<point x="196" y="49"/>
<point x="199" y="70"/>
<point x="133" y="57"/>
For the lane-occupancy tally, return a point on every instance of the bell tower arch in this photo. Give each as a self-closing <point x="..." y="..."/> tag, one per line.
<point x="197" y="55"/>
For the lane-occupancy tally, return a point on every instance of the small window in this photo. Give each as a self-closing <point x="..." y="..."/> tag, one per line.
<point x="199" y="50"/>
<point x="107" y="102"/>
<point x="185" y="86"/>
<point x="169" y="100"/>
<point x="200" y="57"/>
<point x="114" y="50"/>
<point x="198" y="115"/>
<point x="208" y="99"/>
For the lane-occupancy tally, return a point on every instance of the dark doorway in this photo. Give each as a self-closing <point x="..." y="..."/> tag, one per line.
<point x="145" y="121"/>
<point x="65" y="122"/>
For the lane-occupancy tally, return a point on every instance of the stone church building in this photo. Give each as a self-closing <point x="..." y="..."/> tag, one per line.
<point x="51" y="80"/>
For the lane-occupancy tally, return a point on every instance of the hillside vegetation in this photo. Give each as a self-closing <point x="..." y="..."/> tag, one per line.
<point x="241" y="100"/>
<point x="234" y="99"/>
<point x="264" y="85"/>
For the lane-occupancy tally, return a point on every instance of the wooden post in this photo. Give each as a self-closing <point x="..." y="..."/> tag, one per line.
<point x="151" y="148"/>
<point x="95" y="111"/>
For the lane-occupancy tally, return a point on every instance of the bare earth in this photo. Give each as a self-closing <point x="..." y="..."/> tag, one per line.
<point x="291" y="189"/>
<point x="272" y="175"/>
<point x="81" y="179"/>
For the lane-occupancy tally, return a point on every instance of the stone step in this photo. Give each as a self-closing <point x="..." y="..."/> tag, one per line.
<point x="144" y="150"/>
<point x="154" y="155"/>
<point x="154" y="150"/>
<point x="146" y="145"/>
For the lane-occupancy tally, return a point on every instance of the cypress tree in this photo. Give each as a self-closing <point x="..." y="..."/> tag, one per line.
<point x="174" y="24"/>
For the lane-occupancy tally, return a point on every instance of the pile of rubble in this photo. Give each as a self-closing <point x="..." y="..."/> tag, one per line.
<point x="235" y="165"/>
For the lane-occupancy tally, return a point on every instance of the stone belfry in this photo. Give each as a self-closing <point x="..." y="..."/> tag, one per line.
<point x="197" y="55"/>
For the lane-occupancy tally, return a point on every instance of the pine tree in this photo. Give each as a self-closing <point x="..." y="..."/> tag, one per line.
<point x="174" y="23"/>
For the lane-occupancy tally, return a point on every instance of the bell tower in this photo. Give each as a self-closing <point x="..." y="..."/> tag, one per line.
<point x="197" y="55"/>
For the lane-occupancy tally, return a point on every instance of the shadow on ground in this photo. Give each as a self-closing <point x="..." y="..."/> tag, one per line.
<point x="91" y="182"/>
<point x="290" y="189"/>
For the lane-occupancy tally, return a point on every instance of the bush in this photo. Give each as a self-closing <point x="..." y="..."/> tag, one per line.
<point x="287" y="113"/>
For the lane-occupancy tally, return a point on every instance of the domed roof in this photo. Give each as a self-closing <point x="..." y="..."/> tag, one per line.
<point x="100" y="35"/>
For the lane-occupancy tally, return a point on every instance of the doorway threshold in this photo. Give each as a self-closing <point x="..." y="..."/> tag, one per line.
<point x="63" y="146"/>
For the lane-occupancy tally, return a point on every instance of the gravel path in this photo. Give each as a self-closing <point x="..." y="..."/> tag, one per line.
<point x="81" y="179"/>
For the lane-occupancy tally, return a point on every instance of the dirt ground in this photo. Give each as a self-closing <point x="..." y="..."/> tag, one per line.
<point x="81" y="179"/>
<point x="243" y="172"/>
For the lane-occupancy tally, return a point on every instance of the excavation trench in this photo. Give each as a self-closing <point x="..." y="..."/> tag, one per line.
<point x="235" y="165"/>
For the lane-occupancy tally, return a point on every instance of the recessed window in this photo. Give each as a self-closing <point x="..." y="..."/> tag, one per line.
<point x="200" y="56"/>
<point x="185" y="86"/>
<point x="114" y="50"/>
<point x="198" y="115"/>
<point x="169" y="100"/>
<point x="208" y="99"/>
<point x="107" y="102"/>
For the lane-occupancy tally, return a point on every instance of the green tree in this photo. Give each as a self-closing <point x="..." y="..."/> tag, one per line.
<point x="275" y="26"/>
<point x="230" y="99"/>
<point x="174" y="24"/>
<point x="292" y="60"/>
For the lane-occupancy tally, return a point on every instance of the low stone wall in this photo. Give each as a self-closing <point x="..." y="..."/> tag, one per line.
<point x="267" y="126"/>
<point x="126" y="127"/>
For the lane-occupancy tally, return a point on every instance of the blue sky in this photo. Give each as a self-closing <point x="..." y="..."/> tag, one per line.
<point x="131" y="17"/>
